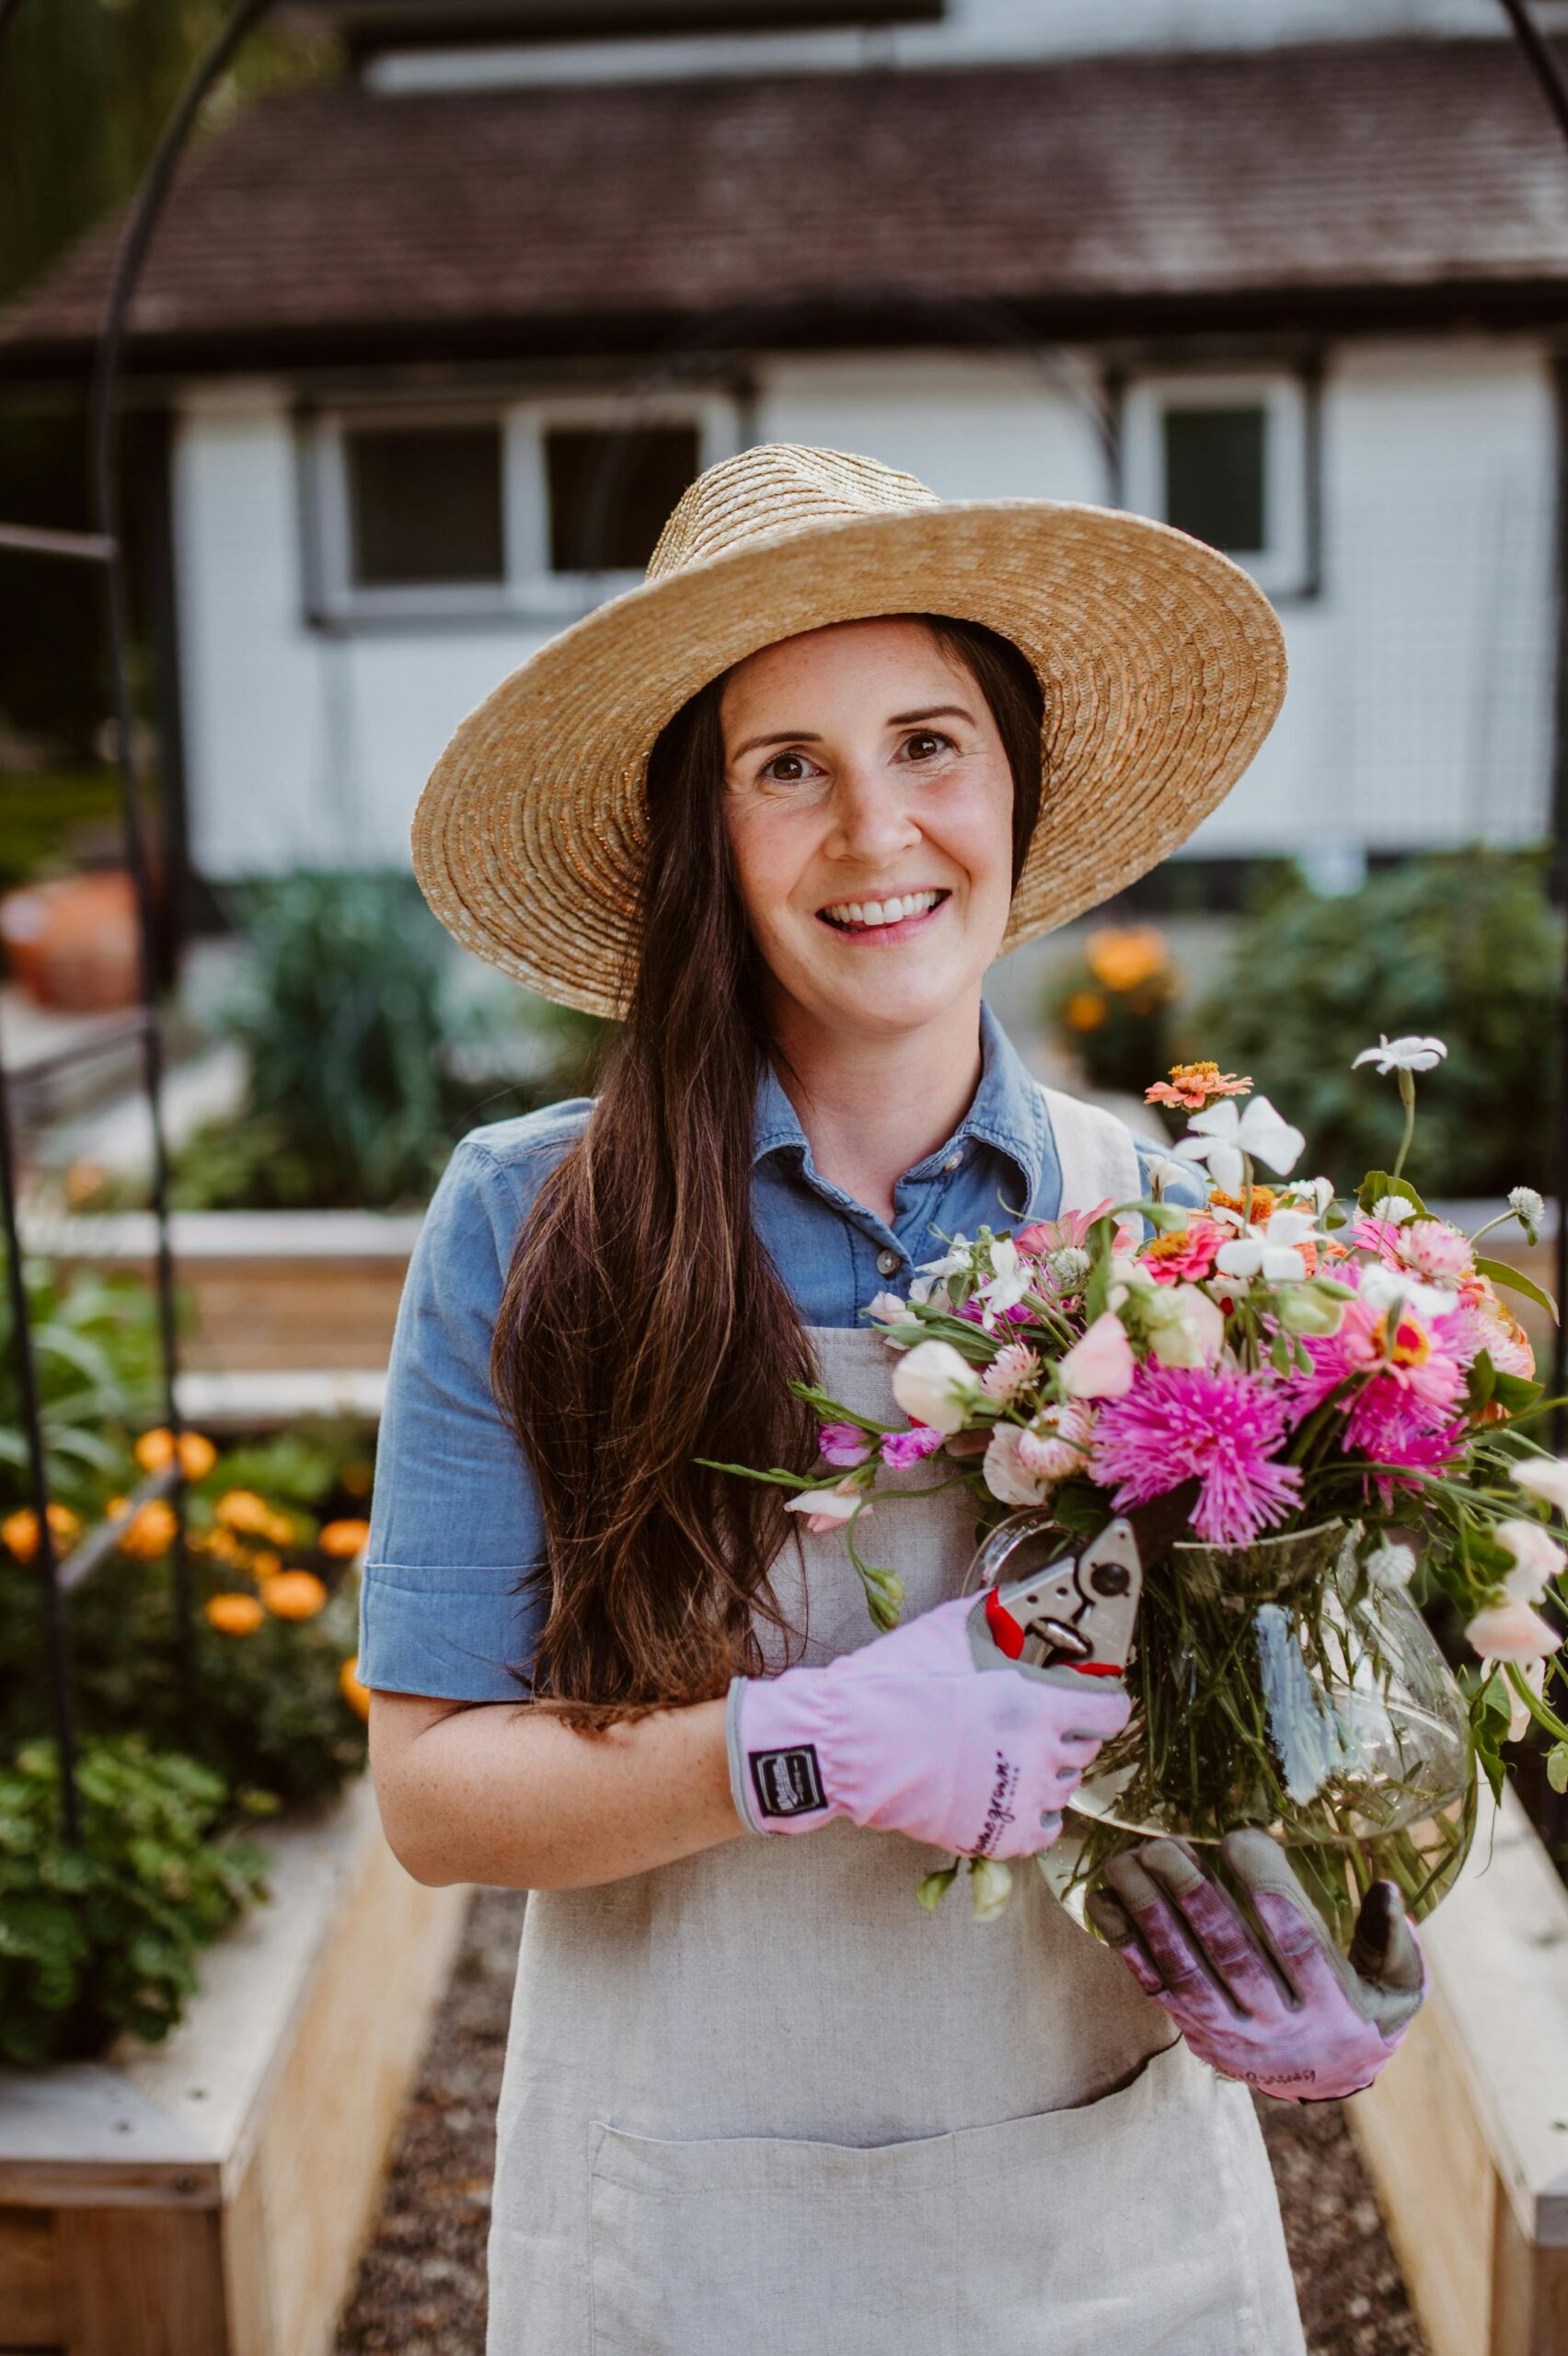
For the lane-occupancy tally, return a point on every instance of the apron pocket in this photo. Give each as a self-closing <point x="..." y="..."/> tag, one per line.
<point x="773" y="2247"/>
<point x="1145" y="2224"/>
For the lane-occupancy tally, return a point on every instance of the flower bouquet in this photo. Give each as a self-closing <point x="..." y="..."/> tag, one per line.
<point x="1341" y="1390"/>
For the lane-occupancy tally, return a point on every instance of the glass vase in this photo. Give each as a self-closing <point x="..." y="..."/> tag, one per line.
<point x="1288" y="1685"/>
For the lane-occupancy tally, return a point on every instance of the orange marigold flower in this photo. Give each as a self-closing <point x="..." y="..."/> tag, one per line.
<point x="1265" y="1202"/>
<point x="151" y="1532"/>
<point x="1122" y="957"/>
<point x="357" y="1695"/>
<point x="356" y="1480"/>
<point x="294" y="1595"/>
<point x="265" y="1564"/>
<point x="1191" y="1086"/>
<point x="1085" y="1010"/>
<point x="243" y="1509"/>
<point x="235" y="1615"/>
<point x="20" y="1531"/>
<point x="197" y="1454"/>
<point x="342" y="1539"/>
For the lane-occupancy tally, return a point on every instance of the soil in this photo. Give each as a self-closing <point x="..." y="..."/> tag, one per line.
<point x="422" y="2283"/>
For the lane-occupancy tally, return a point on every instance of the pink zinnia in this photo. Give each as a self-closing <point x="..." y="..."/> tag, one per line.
<point x="899" y="1450"/>
<point x="1183" y="1254"/>
<point x="1218" y="1426"/>
<point x="1391" y="1425"/>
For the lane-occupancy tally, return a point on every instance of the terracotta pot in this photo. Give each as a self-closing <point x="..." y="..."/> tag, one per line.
<point x="73" y="943"/>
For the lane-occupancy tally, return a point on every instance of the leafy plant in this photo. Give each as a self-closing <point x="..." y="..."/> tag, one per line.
<point x="366" y="1056"/>
<point x="96" y="1349"/>
<point x="101" y="1934"/>
<point x="1465" y="945"/>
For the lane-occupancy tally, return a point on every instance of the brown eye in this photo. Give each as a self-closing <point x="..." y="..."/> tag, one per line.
<point x="925" y="744"/>
<point x="786" y="769"/>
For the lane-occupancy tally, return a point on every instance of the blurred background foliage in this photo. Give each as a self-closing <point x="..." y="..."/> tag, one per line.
<point x="1463" y="945"/>
<point x="370" y="1046"/>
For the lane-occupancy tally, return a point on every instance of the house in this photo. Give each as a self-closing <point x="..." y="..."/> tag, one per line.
<point x="438" y="343"/>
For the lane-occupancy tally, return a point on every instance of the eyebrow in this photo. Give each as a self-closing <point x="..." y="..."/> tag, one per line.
<point x="897" y="720"/>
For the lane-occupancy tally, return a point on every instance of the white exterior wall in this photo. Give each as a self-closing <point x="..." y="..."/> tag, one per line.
<point x="1419" y="709"/>
<point x="970" y="32"/>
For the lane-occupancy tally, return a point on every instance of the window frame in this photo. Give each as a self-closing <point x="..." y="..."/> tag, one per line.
<point x="1287" y="566"/>
<point x="528" y="589"/>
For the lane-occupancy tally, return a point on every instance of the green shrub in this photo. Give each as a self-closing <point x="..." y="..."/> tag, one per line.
<point x="94" y="1343"/>
<point x="101" y="1934"/>
<point x="1462" y="945"/>
<point x="368" y="1052"/>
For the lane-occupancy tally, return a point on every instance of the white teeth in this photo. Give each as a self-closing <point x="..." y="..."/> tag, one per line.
<point x="881" y="912"/>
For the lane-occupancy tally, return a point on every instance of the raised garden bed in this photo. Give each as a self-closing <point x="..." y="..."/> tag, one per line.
<point x="208" y="2197"/>
<point x="1466" y="2133"/>
<point x="268" y="1290"/>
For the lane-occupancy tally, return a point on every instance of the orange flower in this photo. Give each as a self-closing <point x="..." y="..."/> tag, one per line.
<point x="151" y="1532"/>
<point x="265" y="1564"/>
<point x="197" y="1454"/>
<point x="356" y="1480"/>
<point x="342" y="1539"/>
<point x="1085" y="1010"/>
<point x="83" y="1183"/>
<point x="1191" y="1086"/>
<point x="20" y="1531"/>
<point x="357" y="1695"/>
<point x="294" y="1595"/>
<point x="1265" y="1202"/>
<point x="243" y="1509"/>
<point x="1120" y="957"/>
<point x="235" y="1615"/>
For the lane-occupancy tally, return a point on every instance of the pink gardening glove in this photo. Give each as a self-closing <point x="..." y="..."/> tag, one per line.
<point x="1287" y="2013"/>
<point x="929" y="1730"/>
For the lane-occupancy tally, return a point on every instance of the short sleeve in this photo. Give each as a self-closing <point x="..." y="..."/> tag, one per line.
<point x="445" y="1608"/>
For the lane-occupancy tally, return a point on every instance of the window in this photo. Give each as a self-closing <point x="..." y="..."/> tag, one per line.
<point x="609" y="493"/>
<point x="424" y="504"/>
<point x="536" y="507"/>
<point x="1225" y="458"/>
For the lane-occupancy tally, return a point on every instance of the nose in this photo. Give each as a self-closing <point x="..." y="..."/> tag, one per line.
<point x="871" y="820"/>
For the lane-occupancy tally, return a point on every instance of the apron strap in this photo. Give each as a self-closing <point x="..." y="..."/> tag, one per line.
<point x="1096" y="1151"/>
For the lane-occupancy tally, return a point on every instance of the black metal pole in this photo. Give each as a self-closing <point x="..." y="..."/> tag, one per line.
<point x="128" y="262"/>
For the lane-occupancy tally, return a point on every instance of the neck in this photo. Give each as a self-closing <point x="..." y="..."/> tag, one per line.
<point x="872" y="1107"/>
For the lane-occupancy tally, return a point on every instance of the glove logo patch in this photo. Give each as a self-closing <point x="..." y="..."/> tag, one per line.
<point x="788" y="1783"/>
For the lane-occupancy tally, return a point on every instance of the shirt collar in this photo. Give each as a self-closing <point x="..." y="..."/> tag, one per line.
<point x="1006" y="1112"/>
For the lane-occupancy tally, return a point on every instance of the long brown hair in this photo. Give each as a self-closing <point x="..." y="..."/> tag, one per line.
<point x="644" y="1325"/>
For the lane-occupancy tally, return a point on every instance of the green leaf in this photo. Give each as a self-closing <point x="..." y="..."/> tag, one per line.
<point x="1557" y="1766"/>
<point x="1500" y="1273"/>
<point x="1378" y="1182"/>
<point x="1515" y="1392"/>
<point x="1482" y="1383"/>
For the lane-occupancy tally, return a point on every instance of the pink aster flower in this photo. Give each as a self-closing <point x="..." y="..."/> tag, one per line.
<point x="1047" y="1235"/>
<point x="842" y="1444"/>
<point x="1379" y="1238"/>
<point x="1216" y="1425"/>
<point x="900" y="1449"/>
<point x="1436" y="1250"/>
<point x="1012" y="1369"/>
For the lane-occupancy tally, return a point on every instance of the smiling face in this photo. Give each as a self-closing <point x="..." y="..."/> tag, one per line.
<point x="868" y="804"/>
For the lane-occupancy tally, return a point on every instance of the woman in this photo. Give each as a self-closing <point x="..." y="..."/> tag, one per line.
<point x="782" y="807"/>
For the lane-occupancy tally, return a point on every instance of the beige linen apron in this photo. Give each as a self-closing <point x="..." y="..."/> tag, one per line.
<point x="760" y="2103"/>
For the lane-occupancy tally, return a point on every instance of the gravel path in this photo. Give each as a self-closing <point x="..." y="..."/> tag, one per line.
<point x="422" y="2284"/>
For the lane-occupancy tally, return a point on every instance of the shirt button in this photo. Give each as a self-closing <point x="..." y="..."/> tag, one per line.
<point x="888" y="1264"/>
<point x="953" y="1160"/>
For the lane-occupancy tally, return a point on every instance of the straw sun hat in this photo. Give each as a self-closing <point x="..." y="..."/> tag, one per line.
<point x="1161" y="661"/>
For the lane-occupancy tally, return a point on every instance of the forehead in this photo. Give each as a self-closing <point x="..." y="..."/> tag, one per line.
<point x="845" y="659"/>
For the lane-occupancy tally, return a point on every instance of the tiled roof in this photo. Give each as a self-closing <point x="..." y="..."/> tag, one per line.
<point x="1383" y="172"/>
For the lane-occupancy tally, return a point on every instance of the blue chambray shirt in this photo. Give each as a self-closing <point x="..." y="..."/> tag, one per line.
<point x="456" y="1521"/>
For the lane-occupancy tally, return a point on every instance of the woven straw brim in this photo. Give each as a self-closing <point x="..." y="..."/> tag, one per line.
<point x="1162" y="664"/>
